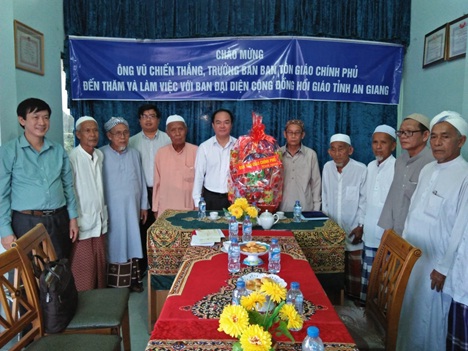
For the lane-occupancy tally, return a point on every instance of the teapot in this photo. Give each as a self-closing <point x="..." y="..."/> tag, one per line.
<point x="266" y="220"/>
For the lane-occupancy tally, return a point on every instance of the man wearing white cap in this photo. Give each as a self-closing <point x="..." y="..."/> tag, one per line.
<point x="379" y="178"/>
<point x="435" y="208"/>
<point x="343" y="199"/>
<point x="127" y="202"/>
<point x="174" y="170"/>
<point x="413" y="135"/>
<point x="88" y="258"/>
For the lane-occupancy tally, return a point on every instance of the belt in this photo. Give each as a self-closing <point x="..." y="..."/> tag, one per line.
<point x="213" y="193"/>
<point x="43" y="213"/>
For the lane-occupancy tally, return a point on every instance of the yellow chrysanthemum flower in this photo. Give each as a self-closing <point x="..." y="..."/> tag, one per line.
<point x="233" y="320"/>
<point x="250" y="302"/>
<point x="252" y="212"/>
<point x="241" y="202"/>
<point x="237" y="212"/>
<point x="277" y="293"/>
<point x="288" y="313"/>
<point x="255" y="338"/>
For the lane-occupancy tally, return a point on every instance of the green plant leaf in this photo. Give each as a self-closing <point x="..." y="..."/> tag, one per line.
<point x="237" y="346"/>
<point x="283" y="330"/>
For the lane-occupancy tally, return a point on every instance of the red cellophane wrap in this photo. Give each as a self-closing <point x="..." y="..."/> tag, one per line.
<point x="256" y="168"/>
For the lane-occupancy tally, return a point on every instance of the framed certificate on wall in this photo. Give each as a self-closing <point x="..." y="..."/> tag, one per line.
<point x="435" y="46"/>
<point x="456" y="38"/>
<point x="29" y="49"/>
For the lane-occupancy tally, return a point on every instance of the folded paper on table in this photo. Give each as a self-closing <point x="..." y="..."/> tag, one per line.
<point x="206" y="237"/>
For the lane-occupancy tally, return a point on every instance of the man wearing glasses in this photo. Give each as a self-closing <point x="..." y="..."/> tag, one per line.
<point x="302" y="179"/>
<point x="147" y="142"/>
<point x="413" y="135"/>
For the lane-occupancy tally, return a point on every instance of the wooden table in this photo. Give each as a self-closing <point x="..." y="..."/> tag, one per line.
<point x="203" y="286"/>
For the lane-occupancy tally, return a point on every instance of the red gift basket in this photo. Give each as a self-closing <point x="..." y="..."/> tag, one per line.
<point x="256" y="168"/>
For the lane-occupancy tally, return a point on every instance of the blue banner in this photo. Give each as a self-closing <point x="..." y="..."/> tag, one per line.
<point x="297" y="68"/>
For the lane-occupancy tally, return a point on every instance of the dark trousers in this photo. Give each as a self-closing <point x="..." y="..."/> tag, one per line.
<point x="143" y="232"/>
<point x="215" y="201"/>
<point x="57" y="225"/>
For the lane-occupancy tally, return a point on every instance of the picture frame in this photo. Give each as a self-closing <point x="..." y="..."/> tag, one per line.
<point x="435" y="46"/>
<point x="29" y="48"/>
<point x="456" y="38"/>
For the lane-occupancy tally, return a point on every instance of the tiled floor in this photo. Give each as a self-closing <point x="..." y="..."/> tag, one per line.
<point x="138" y="310"/>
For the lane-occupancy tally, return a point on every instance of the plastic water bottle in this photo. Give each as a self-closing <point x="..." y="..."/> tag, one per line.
<point x="233" y="228"/>
<point x="312" y="341"/>
<point x="295" y="297"/>
<point x="274" y="257"/>
<point x="297" y="211"/>
<point x="234" y="256"/>
<point x="247" y="229"/>
<point x="201" y="208"/>
<point x="239" y="291"/>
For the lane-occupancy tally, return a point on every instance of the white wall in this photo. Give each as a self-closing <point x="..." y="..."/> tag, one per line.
<point x="45" y="16"/>
<point x="443" y="86"/>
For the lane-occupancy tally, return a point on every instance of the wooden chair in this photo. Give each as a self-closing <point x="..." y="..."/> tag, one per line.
<point x="375" y="327"/>
<point x="99" y="311"/>
<point x="22" y="319"/>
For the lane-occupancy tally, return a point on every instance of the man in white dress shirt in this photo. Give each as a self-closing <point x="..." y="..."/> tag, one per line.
<point x="436" y="206"/>
<point x="148" y="142"/>
<point x="379" y="178"/>
<point x="212" y="163"/>
<point x="343" y="199"/>
<point x="88" y="257"/>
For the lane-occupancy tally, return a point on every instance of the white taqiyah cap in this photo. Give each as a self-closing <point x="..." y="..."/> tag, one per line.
<point x="340" y="137"/>
<point x="113" y="122"/>
<point x="175" y="118"/>
<point x="84" y="119"/>
<point x="454" y="119"/>
<point x="383" y="128"/>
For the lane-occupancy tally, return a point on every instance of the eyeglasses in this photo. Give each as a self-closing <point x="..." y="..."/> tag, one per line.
<point x="149" y="116"/>
<point x="293" y="133"/>
<point x="125" y="134"/>
<point x="407" y="133"/>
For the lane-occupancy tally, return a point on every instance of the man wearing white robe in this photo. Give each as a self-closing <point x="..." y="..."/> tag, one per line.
<point x="343" y="199"/>
<point x="435" y="207"/>
<point x="379" y="178"/>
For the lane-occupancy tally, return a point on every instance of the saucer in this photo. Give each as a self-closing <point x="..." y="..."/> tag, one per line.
<point x="213" y="219"/>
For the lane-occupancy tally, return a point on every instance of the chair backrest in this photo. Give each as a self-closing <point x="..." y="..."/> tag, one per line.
<point x="388" y="279"/>
<point x="19" y="301"/>
<point x="37" y="242"/>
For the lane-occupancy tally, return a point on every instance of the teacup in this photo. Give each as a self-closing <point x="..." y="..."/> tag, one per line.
<point x="280" y="214"/>
<point x="214" y="215"/>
